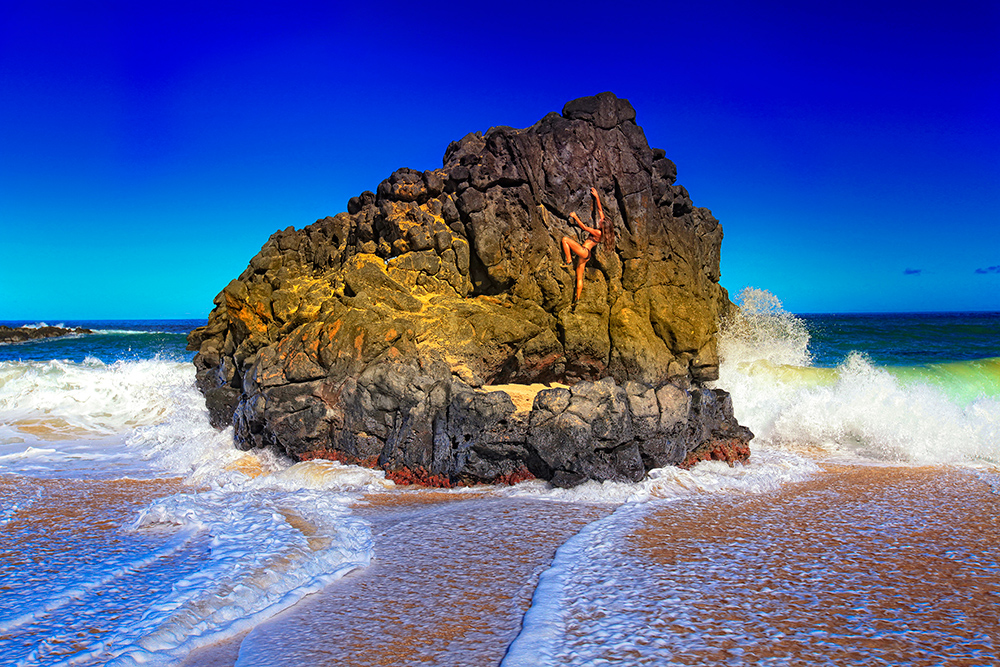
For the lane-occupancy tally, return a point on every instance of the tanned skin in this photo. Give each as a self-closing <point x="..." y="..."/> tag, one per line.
<point x="583" y="251"/>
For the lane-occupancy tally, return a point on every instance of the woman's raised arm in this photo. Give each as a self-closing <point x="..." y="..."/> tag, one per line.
<point x="597" y="203"/>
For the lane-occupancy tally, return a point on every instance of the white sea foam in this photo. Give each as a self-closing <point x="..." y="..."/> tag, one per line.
<point x="224" y="561"/>
<point x="52" y="400"/>
<point x="867" y="412"/>
<point x="587" y="567"/>
<point x="735" y="583"/>
<point x="40" y="325"/>
<point x="544" y="625"/>
<point x="62" y="325"/>
<point x="147" y="413"/>
<point x="857" y="409"/>
<point x="763" y="330"/>
<point x="268" y="550"/>
<point x="136" y="418"/>
<point x="250" y="536"/>
<point x="766" y="470"/>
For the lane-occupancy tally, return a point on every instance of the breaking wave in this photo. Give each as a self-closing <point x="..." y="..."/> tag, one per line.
<point x="930" y="413"/>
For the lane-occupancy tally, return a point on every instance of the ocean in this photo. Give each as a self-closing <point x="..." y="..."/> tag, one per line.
<point x="863" y="530"/>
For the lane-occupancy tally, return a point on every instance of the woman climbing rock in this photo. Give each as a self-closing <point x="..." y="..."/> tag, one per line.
<point x="605" y="232"/>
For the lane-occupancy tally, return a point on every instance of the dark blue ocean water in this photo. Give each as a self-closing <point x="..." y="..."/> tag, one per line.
<point x="903" y="339"/>
<point x="113" y="340"/>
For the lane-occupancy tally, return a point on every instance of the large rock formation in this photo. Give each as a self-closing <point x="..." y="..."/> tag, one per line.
<point x="381" y="335"/>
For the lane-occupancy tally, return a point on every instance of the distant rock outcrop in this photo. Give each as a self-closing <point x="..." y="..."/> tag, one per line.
<point x="382" y="335"/>
<point x="22" y="334"/>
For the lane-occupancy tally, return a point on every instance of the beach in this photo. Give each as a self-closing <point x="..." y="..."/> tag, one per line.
<point x="862" y="530"/>
<point x="319" y="346"/>
<point x="858" y="565"/>
<point x="452" y="581"/>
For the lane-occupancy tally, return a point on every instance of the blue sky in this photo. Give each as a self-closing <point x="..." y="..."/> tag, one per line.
<point x="147" y="150"/>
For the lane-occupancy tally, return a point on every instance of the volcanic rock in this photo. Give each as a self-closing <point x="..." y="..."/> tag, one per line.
<point x="430" y="330"/>
<point x="21" y="334"/>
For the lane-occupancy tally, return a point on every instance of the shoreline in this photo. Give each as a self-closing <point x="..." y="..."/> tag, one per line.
<point x="438" y="582"/>
<point x="445" y="589"/>
<point x="858" y="565"/>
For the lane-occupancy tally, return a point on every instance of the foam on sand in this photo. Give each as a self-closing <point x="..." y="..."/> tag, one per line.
<point x="859" y="565"/>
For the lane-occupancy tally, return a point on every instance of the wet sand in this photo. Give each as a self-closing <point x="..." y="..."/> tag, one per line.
<point x="861" y="565"/>
<point x="55" y="531"/>
<point x="450" y="582"/>
<point x="46" y="515"/>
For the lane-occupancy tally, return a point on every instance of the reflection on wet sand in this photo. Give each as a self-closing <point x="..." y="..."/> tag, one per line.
<point x="54" y="535"/>
<point x="451" y="579"/>
<point x="860" y="565"/>
<point x="39" y="510"/>
<point x="863" y="565"/>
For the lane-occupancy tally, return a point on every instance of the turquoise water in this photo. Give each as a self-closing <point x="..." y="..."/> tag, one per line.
<point x="914" y="387"/>
<point x="134" y="533"/>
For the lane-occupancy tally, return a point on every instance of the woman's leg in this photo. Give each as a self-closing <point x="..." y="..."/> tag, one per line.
<point x="583" y="254"/>
<point x="569" y="244"/>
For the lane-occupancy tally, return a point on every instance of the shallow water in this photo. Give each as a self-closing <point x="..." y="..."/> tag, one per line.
<point x="99" y="574"/>
<point x="862" y="565"/>
<point x="448" y="586"/>
<point x="62" y="548"/>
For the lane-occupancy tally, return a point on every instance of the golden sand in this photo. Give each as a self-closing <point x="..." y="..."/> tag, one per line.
<point x="50" y="429"/>
<point x="247" y="464"/>
<point x="417" y="496"/>
<point x="860" y="565"/>
<point x="523" y="395"/>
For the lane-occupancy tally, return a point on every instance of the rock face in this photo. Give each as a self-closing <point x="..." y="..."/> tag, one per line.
<point x="379" y="336"/>
<point x="21" y="334"/>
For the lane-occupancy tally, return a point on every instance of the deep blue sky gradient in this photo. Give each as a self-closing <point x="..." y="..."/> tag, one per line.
<point x="147" y="150"/>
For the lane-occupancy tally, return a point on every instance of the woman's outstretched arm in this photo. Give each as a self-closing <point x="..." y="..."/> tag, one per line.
<point x="597" y="203"/>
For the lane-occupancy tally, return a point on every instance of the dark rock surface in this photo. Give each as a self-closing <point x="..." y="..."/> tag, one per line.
<point x="376" y="336"/>
<point x="21" y="334"/>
